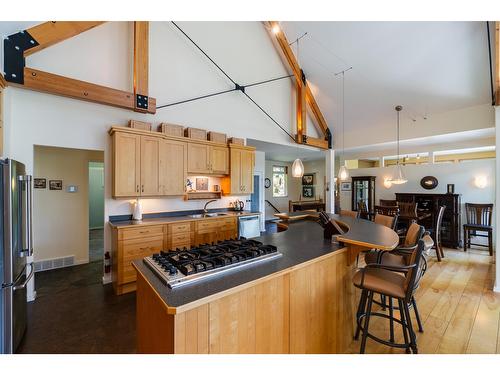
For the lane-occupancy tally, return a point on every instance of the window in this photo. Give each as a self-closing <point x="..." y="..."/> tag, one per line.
<point x="279" y="181"/>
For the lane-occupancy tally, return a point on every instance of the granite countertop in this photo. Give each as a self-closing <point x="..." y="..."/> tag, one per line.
<point x="172" y="218"/>
<point x="303" y="241"/>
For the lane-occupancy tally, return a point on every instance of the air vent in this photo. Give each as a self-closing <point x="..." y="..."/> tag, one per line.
<point x="51" y="264"/>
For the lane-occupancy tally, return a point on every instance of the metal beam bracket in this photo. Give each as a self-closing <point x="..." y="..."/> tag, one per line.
<point x="303" y="76"/>
<point x="141" y="101"/>
<point x="239" y="87"/>
<point x="304" y="139"/>
<point x="13" y="51"/>
<point x="328" y="137"/>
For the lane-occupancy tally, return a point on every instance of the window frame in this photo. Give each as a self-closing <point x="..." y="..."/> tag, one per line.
<point x="283" y="170"/>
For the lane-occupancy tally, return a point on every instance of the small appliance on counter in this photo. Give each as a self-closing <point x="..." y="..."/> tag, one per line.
<point x="237" y="205"/>
<point x="137" y="211"/>
<point x="16" y="245"/>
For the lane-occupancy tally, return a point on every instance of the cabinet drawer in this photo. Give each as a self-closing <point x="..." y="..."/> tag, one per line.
<point x="207" y="226"/>
<point x="141" y="232"/>
<point x="180" y="228"/>
<point x="140" y="249"/>
<point x="181" y="238"/>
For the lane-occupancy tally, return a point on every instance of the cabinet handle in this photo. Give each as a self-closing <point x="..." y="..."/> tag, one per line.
<point x="137" y="188"/>
<point x="144" y="248"/>
<point x="142" y="189"/>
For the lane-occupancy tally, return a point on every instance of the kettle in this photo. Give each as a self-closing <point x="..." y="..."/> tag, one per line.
<point x="238" y="205"/>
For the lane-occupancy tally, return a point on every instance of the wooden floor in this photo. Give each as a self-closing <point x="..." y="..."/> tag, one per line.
<point x="459" y="310"/>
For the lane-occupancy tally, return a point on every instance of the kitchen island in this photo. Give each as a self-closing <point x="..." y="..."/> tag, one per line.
<point x="302" y="302"/>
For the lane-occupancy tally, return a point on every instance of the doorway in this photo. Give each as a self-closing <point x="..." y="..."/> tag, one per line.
<point x="96" y="211"/>
<point x="257" y="198"/>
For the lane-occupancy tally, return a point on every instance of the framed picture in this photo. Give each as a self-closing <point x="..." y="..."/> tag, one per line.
<point x="450" y="188"/>
<point x="308" y="191"/>
<point x="40" y="183"/>
<point x="202" y="184"/>
<point x="308" y="179"/>
<point x="55" y="184"/>
<point x="345" y="186"/>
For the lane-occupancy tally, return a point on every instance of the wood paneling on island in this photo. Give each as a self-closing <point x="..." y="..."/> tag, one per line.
<point x="305" y="309"/>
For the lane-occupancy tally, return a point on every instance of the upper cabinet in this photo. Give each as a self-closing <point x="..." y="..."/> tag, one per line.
<point x="126" y="164"/>
<point x="148" y="164"/>
<point x="173" y="167"/>
<point x="240" y="181"/>
<point x="207" y="159"/>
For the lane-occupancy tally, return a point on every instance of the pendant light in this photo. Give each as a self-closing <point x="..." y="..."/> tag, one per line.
<point x="343" y="171"/>
<point x="398" y="177"/>
<point x="297" y="166"/>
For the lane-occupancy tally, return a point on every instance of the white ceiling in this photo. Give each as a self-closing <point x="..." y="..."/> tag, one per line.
<point x="286" y="153"/>
<point x="428" y="67"/>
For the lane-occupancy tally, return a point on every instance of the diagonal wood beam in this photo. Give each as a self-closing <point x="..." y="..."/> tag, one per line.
<point x="50" y="33"/>
<point x="496" y="72"/>
<point x="292" y="62"/>
<point x="141" y="59"/>
<point x="301" y="112"/>
<point x="54" y="84"/>
<point x="3" y="82"/>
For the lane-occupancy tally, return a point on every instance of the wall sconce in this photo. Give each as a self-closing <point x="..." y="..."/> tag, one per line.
<point x="387" y="183"/>
<point x="480" y="182"/>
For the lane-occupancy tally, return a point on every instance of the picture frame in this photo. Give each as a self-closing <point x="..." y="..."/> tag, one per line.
<point x="55" y="184"/>
<point x="308" y="179"/>
<point x="39" y="183"/>
<point x="201" y="183"/>
<point x="345" y="186"/>
<point x="450" y="189"/>
<point x="308" y="191"/>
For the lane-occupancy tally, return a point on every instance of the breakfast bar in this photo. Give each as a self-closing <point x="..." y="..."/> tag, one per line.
<point x="301" y="302"/>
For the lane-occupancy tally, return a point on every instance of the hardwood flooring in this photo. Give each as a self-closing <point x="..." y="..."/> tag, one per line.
<point x="459" y="310"/>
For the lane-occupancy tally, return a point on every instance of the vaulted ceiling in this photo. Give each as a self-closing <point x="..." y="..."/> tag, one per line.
<point x="428" y="67"/>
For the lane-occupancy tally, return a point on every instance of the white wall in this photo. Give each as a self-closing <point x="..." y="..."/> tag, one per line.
<point x="461" y="174"/>
<point x="61" y="219"/>
<point x="497" y="201"/>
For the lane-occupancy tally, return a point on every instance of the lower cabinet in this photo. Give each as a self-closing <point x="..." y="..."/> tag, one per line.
<point x="129" y="244"/>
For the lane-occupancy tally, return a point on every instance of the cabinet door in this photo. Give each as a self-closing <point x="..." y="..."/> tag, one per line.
<point x="236" y="187"/>
<point x="150" y="166"/>
<point x="247" y="171"/>
<point x="198" y="158"/>
<point x="173" y="167"/>
<point x="219" y="160"/>
<point x="126" y="165"/>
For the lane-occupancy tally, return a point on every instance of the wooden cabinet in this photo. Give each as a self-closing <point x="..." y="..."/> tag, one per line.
<point x="242" y="161"/>
<point x="219" y="160"/>
<point x="131" y="243"/>
<point x="207" y="159"/>
<point x="198" y="158"/>
<point x="150" y="166"/>
<point x="126" y="164"/>
<point x="173" y="167"/>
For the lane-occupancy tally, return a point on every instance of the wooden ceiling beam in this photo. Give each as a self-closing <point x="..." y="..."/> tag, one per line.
<point x="289" y="57"/>
<point x="315" y="142"/>
<point x="54" y="84"/>
<point x="301" y="112"/>
<point x="49" y="33"/>
<point x="141" y="60"/>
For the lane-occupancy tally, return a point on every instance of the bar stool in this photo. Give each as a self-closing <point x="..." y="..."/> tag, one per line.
<point x="396" y="282"/>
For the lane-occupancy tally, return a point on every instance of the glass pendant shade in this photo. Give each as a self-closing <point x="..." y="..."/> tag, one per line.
<point x="343" y="173"/>
<point x="398" y="178"/>
<point x="297" y="168"/>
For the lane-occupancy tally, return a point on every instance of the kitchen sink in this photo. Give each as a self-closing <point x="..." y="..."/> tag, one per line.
<point x="215" y="214"/>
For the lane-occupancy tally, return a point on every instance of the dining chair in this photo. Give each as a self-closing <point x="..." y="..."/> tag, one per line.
<point x="386" y="220"/>
<point x="387" y="210"/>
<point x="478" y="220"/>
<point x="388" y="202"/>
<point x="435" y="232"/>
<point x="354" y="214"/>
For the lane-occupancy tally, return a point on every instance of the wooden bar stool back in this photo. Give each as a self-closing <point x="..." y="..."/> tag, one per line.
<point x="353" y="214"/>
<point x="478" y="220"/>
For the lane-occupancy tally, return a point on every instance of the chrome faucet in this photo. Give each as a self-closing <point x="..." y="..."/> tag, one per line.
<point x="205" y="211"/>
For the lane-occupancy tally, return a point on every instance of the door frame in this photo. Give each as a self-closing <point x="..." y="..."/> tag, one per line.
<point x="262" y="198"/>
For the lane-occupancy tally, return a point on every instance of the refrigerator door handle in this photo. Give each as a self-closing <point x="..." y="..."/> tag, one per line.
<point x="23" y="285"/>
<point x="28" y="249"/>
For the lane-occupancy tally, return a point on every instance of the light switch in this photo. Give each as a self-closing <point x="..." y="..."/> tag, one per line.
<point x="72" y="189"/>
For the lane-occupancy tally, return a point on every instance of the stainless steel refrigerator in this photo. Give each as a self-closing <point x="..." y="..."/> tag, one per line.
<point x="16" y="245"/>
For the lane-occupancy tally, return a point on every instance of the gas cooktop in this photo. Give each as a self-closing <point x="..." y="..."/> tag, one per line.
<point x="182" y="267"/>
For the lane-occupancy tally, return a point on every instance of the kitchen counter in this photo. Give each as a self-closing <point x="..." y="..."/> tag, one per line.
<point x="172" y="218"/>
<point x="302" y="242"/>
